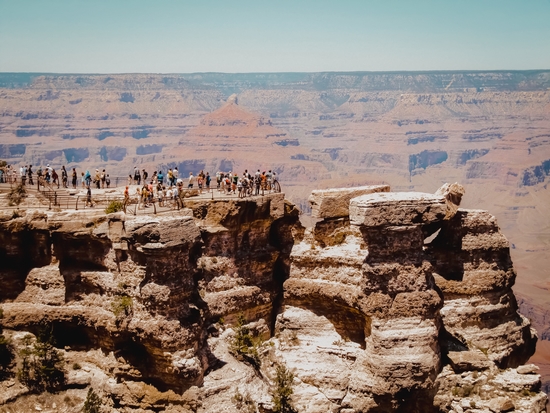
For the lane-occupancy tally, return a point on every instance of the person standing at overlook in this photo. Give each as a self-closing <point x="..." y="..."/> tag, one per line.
<point x="137" y="176"/>
<point x="23" y="174"/>
<point x="55" y="178"/>
<point x="191" y="180"/>
<point x="97" y="178"/>
<point x="199" y="183"/>
<point x="74" y="178"/>
<point x="207" y="181"/>
<point x="29" y="172"/>
<point x="89" y="197"/>
<point x="87" y="178"/>
<point x="64" y="176"/>
<point x="269" y="178"/>
<point x="170" y="177"/>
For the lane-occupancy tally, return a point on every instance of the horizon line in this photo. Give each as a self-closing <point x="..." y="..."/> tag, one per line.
<point x="288" y="72"/>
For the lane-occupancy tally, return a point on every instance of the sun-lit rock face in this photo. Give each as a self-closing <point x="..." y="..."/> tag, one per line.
<point x="474" y="271"/>
<point x="390" y="302"/>
<point x="372" y="269"/>
<point x="379" y="277"/>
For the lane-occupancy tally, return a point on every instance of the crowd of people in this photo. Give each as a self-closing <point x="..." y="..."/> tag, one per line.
<point x="170" y="188"/>
<point x="49" y="176"/>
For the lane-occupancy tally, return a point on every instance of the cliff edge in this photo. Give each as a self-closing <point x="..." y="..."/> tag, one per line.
<point x="390" y="302"/>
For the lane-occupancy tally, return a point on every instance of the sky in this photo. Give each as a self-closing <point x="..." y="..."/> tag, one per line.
<point x="241" y="36"/>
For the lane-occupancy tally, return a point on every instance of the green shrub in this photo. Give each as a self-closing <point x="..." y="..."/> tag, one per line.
<point x="283" y="391"/>
<point x="114" y="206"/>
<point x="76" y="366"/>
<point x="17" y="194"/>
<point x="42" y="365"/>
<point x="244" y="345"/>
<point x="244" y="402"/>
<point x="92" y="403"/>
<point x="122" y="306"/>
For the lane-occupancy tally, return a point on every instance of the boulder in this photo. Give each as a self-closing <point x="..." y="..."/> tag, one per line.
<point x="453" y="195"/>
<point x="528" y="369"/>
<point x="469" y="360"/>
<point x="334" y="203"/>
<point x="397" y="208"/>
<point x="501" y="404"/>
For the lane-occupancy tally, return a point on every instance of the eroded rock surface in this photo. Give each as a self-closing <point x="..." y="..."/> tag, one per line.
<point x="391" y="302"/>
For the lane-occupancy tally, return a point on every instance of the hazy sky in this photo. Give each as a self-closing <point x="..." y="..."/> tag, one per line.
<point x="182" y="36"/>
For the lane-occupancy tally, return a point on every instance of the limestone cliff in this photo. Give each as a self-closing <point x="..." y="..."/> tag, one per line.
<point x="391" y="302"/>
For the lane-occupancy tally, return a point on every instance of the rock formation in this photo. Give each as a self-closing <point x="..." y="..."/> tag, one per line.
<point x="417" y="130"/>
<point x="392" y="301"/>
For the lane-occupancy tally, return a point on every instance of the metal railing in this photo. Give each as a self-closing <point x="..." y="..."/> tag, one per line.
<point x="49" y="196"/>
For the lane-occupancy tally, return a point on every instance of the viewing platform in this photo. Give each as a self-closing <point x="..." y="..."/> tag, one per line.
<point x="66" y="199"/>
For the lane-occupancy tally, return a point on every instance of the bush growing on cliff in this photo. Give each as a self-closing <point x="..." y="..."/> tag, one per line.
<point x="42" y="366"/>
<point x="17" y="194"/>
<point x="244" y="402"/>
<point x="122" y="306"/>
<point x="114" y="206"/>
<point x="244" y="345"/>
<point x="283" y="391"/>
<point x="92" y="403"/>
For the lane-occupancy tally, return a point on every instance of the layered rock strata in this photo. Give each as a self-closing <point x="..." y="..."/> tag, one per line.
<point x="383" y="272"/>
<point x="390" y="302"/>
<point x="146" y="288"/>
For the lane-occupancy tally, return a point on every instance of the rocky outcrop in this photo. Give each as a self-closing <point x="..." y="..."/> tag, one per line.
<point x="146" y="288"/>
<point x="376" y="278"/>
<point x="390" y="302"/>
<point x="474" y="271"/>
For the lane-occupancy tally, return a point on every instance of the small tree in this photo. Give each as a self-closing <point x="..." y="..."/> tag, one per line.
<point x="122" y="306"/>
<point x="283" y="391"/>
<point x="114" y="206"/>
<point x="17" y="194"/>
<point x="42" y="365"/>
<point x="244" y="345"/>
<point x="92" y="403"/>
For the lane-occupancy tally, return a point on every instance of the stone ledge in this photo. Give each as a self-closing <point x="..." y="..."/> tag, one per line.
<point x="334" y="203"/>
<point x="397" y="208"/>
<point x="469" y="360"/>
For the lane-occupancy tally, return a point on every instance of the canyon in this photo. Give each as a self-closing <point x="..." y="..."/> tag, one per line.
<point x="391" y="302"/>
<point x="413" y="131"/>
